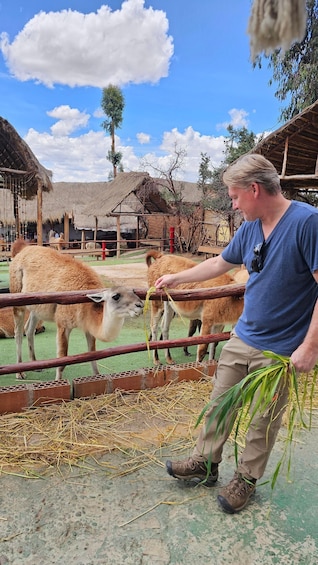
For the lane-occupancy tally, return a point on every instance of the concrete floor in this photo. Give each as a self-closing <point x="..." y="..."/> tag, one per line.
<point x="89" y="517"/>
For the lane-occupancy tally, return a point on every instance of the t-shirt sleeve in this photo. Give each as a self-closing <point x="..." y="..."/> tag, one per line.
<point x="309" y="242"/>
<point x="233" y="251"/>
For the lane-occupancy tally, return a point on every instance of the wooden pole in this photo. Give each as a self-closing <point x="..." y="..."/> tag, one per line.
<point x="118" y="235"/>
<point x="95" y="231"/>
<point x="39" y="223"/>
<point x="66" y="227"/>
<point x="83" y="240"/>
<point x="285" y="157"/>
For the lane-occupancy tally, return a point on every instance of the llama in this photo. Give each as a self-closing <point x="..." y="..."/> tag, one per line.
<point x="19" y="244"/>
<point x="57" y="242"/>
<point x="214" y="314"/>
<point x="92" y="245"/>
<point x="7" y="323"/>
<point x="39" y="269"/>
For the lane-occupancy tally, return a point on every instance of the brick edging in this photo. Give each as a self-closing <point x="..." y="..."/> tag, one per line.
<point x="16" y="398"/>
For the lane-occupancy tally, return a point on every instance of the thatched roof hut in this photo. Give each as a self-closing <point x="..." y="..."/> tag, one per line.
<point x="114" y="205"/>
<point x="124" y="200"/>
<point x="293" y="149"/>
<point x="127" y="198"/>
<point x="21" y="174"/>
<point x="56" y="204"/>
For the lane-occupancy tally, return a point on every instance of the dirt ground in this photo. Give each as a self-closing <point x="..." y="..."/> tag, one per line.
<point x="88" y="515"/>
<point x="133" y="275"/>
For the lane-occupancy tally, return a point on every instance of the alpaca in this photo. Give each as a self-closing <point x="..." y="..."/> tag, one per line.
<point x="40" y="269"/>
<point x="214" y="314"/>
<point x="7" y="322"/>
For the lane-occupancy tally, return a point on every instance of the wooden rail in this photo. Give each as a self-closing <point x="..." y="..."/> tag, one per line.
<point x="5" y="255"/>
<point x="111" y="352"/>
<point x="82" y="252"/>
<point x="72" y="297"/>
<point x="158" y="243"/>
<point x="74" y="252"/>
<point x="213" y="250"/>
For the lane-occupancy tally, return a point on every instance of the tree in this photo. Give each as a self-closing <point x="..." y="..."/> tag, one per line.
<point x="215" y="196"/>
<point x="113" y="104"/>
<point x="238" y="142"/>
<point x="205" y="178"/>
<point x="173" y="193"/>
<point x="295" y="72"/>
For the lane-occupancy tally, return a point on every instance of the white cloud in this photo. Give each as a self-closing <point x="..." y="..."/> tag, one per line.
<point x="238" y="119"/>
<point x="194" y="144"/>
<point x="143" y="138"/>
<point x="130" y="45"/>
<point x="78" y="159"/>
<point x="82" y="158"/>
<point x="69" y="120"/>
<point x="98" y="113"/>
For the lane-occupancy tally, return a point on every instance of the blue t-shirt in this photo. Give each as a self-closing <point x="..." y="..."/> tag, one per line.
<point x="279" y="300"/>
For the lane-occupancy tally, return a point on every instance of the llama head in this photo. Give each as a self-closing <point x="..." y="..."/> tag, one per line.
<point x="120" y="302"/>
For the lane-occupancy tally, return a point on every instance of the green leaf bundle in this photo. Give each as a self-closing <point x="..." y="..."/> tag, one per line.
<point x="258" y="393"/>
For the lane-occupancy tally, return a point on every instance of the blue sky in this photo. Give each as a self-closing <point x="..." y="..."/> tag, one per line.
<point x="184" y="69"/>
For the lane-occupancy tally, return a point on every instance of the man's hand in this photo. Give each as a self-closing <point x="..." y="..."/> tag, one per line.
<point x="304" y="358"/>
<point x="168" y="281"/>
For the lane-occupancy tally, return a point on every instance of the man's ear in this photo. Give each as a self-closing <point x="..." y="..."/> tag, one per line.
<point x="255" y="188"/>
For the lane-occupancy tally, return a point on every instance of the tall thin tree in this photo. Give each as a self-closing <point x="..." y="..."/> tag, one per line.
<point x="113" y="104"/>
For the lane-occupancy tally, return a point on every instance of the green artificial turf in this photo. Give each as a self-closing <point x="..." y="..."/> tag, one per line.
<point x="134" y="331"/>
<point x="4" y="274"/>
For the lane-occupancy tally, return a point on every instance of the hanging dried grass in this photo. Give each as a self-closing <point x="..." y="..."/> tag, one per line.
<point x="276" y="24"/>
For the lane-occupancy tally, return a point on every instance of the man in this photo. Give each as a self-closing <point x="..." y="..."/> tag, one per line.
<point x="278" y="244"/>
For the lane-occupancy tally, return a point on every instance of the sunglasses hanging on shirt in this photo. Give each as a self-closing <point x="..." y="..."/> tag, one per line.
<point x="258" y="259"/>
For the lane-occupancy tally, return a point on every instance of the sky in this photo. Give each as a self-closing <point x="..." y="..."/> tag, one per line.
<point x="184" y="69"/>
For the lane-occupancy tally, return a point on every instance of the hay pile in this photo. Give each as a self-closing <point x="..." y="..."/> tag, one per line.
<point x="140" y="425"/>
<point x="40" y="440"/>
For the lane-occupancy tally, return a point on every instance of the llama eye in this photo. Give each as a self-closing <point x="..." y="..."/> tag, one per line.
<point x="116" y="297"/>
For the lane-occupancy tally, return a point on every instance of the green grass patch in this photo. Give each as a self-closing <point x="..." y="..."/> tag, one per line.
<point x="134" y="331"/>
<point x="4" y="274"/>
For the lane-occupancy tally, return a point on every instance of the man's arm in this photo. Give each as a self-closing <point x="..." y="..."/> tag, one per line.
<point x="208" y="269"/>
<point x="305" y="357"/>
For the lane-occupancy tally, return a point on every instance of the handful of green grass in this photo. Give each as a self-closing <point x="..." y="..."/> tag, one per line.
<point x="258" y="393"/>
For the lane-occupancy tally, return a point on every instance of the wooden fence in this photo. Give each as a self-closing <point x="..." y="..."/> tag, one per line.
<point x="73" y="297"/>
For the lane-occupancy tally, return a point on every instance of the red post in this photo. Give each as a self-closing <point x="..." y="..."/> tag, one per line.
<point x="103" y="250"/>
<point x="171" y="240"/>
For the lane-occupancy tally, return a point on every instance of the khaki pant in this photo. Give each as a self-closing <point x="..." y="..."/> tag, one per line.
<point x="236" y="361"/>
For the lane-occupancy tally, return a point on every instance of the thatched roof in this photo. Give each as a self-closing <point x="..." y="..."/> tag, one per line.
<point x="60" y="201"/>
<point x="129" y="194"/>
<point x="189" y="190"/>
<point x="293" y="149"/>
<point x="18" y="163"/>
<point x="90" y="203"/>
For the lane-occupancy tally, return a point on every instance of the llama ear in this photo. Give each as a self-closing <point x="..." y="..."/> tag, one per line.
<point x="98" y="297"/>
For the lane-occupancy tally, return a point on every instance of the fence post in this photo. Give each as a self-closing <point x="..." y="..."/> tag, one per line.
<point x="171" y="239"/>
<point x="103" y="250"/>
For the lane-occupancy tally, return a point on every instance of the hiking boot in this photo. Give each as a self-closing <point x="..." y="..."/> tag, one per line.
<point x="198" y="471"/>
<point x="235" y="496"/>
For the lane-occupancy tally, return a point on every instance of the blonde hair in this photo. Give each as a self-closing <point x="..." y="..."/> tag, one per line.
<point x="252" y="168"/>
